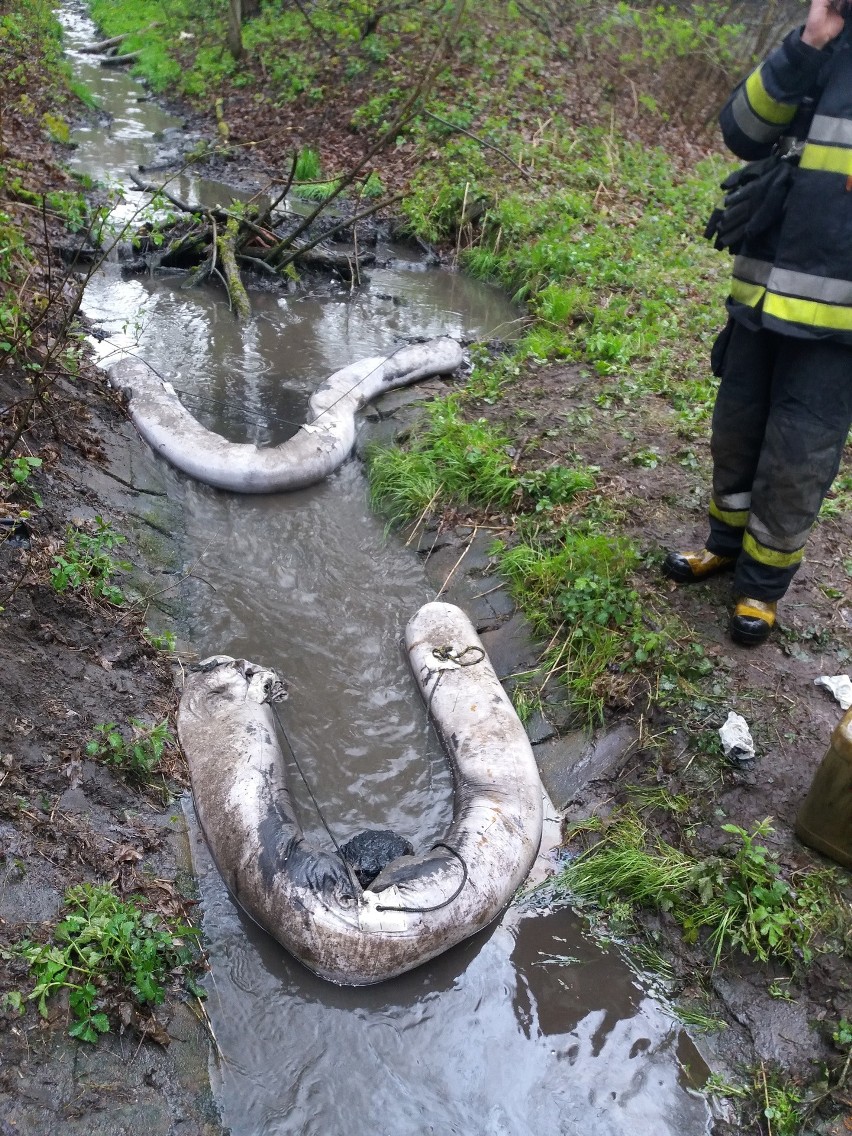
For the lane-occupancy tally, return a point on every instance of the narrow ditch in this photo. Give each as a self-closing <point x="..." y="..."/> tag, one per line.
<point x="529" y="1026"/>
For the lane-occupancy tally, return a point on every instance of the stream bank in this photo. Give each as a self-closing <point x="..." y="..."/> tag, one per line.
<point x="70" y="661"/>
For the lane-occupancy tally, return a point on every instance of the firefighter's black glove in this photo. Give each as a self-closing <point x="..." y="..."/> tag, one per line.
<point x="755" y="198"/>
<point x="775" y="186"/>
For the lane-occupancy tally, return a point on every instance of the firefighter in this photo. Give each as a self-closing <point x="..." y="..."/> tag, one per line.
<point x="784" y="405"/>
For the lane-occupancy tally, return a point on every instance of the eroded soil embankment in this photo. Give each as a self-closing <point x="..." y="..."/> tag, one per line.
<point x="71" y="662"/>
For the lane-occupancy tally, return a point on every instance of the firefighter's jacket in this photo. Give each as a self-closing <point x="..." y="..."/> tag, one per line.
<point x="796" y="277"/>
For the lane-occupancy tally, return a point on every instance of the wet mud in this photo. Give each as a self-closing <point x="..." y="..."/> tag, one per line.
<point x="68" y="665"/>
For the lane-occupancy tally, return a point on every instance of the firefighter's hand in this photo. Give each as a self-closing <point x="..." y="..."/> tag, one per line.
<point x="824" y="22"/>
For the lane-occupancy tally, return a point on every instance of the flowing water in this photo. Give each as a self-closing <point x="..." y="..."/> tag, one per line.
<point x="527" y="1028"/>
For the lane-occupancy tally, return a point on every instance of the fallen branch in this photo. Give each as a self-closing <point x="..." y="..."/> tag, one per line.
<point x="300" y="250"/>
<point x="266" y="215"/>
<point x="106" y="44"/>
<point x="161" y="191"/>
<point x="119" y="60"/>
<point x="481" y="141"/>
<point x="226" y="246"/>
<point x="258" y="263"/>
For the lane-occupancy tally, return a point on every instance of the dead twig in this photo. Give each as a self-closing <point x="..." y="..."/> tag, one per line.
<point x="467" y="549"/>
<point x="482" y="142"/>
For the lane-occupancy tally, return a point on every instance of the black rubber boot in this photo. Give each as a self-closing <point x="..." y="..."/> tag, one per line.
<point x="692" y="567"/>
<point x="752" y="621"/>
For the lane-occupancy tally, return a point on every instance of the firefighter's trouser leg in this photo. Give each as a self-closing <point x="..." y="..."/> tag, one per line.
<point x="780" y="422"/>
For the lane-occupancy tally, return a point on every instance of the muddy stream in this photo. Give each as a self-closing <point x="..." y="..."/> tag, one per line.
<point x="528" y="1028"/>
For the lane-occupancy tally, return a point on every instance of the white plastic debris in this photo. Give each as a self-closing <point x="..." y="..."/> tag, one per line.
<point x="840" y="686"/>
<point x="736" y="738"/>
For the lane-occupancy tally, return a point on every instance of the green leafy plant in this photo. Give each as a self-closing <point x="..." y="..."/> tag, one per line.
<point x="103" y="951"/>
<point x="57" y="128"/>
<point x="740" y="901"/>
<point x="137" y="756"/>
<point x="160" y="640"/>
<point x="842" y="1035"/>
<point x="20" y="470"/>
<point x="86" y="562"/>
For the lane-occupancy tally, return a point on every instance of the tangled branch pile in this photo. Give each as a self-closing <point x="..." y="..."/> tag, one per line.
<point x="217" y="243"/>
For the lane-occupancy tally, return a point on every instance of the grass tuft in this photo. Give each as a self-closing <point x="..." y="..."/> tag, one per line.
<point x="737" y="901"/>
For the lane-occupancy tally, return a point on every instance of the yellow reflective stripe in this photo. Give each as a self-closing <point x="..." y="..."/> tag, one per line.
<point x="763" y="103"/>
<point x="831" y="159"/>
<point x="811" y="313"/>
<point x="736" y="518"/>
<point x="746" y="293"/>
<point x="770" y="556"/>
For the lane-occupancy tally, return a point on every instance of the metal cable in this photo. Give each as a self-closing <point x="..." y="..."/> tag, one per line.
<point x="443" y="654"/>
<point x="274" y="417"/>
<point x="307" y="786"/>
<point x="232" y="409"/>
<point x="277" y="418"/>
<point x="444" y="902"/>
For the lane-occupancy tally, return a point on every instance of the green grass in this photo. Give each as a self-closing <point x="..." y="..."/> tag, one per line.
<point x="739" y="900"/>
<point x="308" y="167"/>
<point x="455" y="460"/>
<point x="315" y="191"/>
<point x="581" y="590"/>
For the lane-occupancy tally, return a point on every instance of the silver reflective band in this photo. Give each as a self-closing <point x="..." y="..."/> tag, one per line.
<point x="810" y="287"/>
<point x="753" y="270"/>
<point x="790" y="543"/>
<point x="733" y="502"/>
<point x="832" y="131"/>
<point x="749" y="123"/>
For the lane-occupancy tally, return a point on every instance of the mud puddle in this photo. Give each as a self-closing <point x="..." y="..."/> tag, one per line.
<point x="527" y="1028"/>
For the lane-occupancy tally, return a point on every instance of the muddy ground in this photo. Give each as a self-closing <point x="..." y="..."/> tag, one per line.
<point x="70" y="662"/>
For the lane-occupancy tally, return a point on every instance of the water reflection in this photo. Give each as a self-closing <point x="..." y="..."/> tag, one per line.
<point x="556" y="991"/>
<point x="499" y="1035"/>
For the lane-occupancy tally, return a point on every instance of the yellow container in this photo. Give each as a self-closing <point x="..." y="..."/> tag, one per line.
<point x="825" y="819"/>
